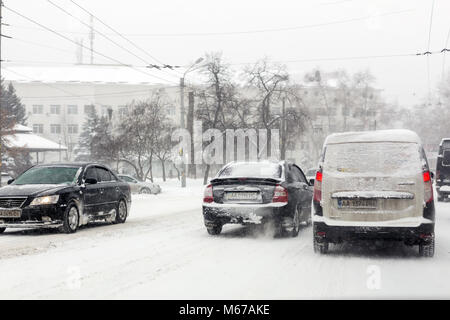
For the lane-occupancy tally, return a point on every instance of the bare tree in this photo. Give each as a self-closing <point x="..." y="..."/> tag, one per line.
<point x="139" y="132"/>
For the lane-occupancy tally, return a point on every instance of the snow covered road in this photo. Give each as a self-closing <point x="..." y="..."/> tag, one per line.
<point x="164" y="252"/>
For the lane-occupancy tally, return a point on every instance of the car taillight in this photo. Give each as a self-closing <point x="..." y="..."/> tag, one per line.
<point x="280" y="194"/>
<point x="208" y="194"/>
<point x="428" y="186"/>
<point x="318" y="187"/>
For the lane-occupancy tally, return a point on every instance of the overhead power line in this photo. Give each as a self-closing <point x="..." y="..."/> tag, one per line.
<point x="70" y="40"/>
<point x="239" y="32"/>
<point x="118" y="33"/>
<point x="104" y="35"/>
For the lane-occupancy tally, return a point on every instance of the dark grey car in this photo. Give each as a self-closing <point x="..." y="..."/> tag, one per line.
<point x="256" y="193"/>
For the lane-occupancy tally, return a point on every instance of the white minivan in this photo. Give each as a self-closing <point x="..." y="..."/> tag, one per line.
<point x="373" y="185"/>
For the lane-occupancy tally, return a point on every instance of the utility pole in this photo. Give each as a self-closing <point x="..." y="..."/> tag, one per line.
<point x="183" y="126"/>
<point x="283" y="129"/>
<point x="190" y="126"/>
<point x="1" y="107"/>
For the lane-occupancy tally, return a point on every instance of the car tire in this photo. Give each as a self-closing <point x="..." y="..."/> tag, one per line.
<point x="296" y="222"/>
<point x="145" y="191"/>
<point x="71" y="219"/>
<point x="214" y="231"/>
<point x="427" y="249"/>
<point x="320" y="247"/>
<point x="2" y="230"/>
<point x="122" y="212"/>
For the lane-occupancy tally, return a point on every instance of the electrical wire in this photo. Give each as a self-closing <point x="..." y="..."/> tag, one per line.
<point x="70" y="40"/>
<point x="118" y="33"/>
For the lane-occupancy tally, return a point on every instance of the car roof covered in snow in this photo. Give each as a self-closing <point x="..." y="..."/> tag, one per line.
<point x="394" y="135"/>
<point x="444" y="139"/>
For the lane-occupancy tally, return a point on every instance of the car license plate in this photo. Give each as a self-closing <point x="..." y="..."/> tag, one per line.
<point x="10" y="213"/>
<point x="241" y="196"/>
<point x="357" y="203"/>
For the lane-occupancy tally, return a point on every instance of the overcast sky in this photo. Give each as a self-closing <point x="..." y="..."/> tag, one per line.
<point x="177" y="32"/>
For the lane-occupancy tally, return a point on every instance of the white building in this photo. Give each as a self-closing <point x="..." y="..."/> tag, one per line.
<point x="57" y="99"/>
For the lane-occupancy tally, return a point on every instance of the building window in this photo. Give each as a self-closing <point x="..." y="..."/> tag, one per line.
<point x="55" y="109"/>
<point x="123" y="111"/>
<point x="38" y="128"/>
<point x="72" y="129"/>
<point x="105" y="109"/>
<point x="89" y="108"/>
<point x="171" y="110"/>
<point x="317" y="129"/>
<point x="72" y="109"/>
<point x="55" y="128"/>
<point x="38" y="109"/>
<point x="276" y="110"/>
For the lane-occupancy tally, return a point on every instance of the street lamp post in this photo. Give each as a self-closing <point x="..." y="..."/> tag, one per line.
<point x="182" y="119"/>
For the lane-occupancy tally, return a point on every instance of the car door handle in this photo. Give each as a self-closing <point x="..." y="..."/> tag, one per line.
<point x="117" y="189"/>
<point x="102" y="190"/>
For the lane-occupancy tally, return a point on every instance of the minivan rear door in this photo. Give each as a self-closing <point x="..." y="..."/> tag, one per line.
<point x="372" y="181"/>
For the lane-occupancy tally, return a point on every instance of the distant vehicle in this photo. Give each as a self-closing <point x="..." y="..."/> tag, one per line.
<point x="5" y="178"/>
<point x="374" y="185"/>
<point x="443" y="170"/>
<point x="311" y="175"/>
<point x="256" y="193"/>
<point x="63" y="196"/>
<point x="140" y="186"/>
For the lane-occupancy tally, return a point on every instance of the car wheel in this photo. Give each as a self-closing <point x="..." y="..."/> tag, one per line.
<point x="71" y="219"/>
<point x="427" y="249"/>
<point x="308" y="218"/>
<point x="2" y="230"/>
<point x="320" y="247"/>
<point x="145" y="191"/>
<point x="296" y="222"/>
<point x="216" y="230"/>
<point x="121" y="215"/>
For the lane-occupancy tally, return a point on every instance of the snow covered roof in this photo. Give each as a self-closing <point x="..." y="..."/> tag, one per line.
<point x="89" y="73"/>
<point x="394" y="135"/>
<point x="18" y="128"/>
<point x="31" y="142"/>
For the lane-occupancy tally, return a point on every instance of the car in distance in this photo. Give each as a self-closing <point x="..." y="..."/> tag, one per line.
<point x="257" y="193"/>
<point x="311" y="175"/>
<point x="5" y="177"/>
<point x="374" y="185"/>
<point x="63" y="196"/>
<point x="443" y="171"/>
<point x="137" y="186"/>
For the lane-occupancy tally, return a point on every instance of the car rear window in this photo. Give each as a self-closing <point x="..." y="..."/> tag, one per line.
<point x="374" y="157"/>
<point x="446" y="158"/>
<point x="254" y="170"/>
<point x="446" y="144"/>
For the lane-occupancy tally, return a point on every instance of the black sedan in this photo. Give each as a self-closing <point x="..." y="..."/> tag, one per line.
<point x="256" y="193"/>
<point x="64" y="196"/>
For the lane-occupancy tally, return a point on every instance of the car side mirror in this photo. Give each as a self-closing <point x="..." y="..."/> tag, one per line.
<point x="90" y="181"/>
<point x="10" y="181"/>
<point x="432" y="174"/>
<point x="311" y="182"/>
